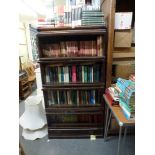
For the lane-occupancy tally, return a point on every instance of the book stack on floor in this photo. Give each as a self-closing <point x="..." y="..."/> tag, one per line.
<point x="92" y="17"/>
<point x="126" y="90"/>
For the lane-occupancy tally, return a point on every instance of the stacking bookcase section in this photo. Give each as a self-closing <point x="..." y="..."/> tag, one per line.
<point x="73" y="63"/>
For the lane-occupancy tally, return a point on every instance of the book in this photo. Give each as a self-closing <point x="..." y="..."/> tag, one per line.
<point x="85" y="73"/>
<point x="70" y="73"/>
<point x="127" y="114"/>
<point x="73" y="73"/>
<point x="92" y="97"/>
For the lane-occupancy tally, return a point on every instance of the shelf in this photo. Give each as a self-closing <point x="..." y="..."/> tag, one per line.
<point x="25" y="88"/>
<point x="69" y="27"/>
<point x="78" y="84"/>
<point x="93" y="30"/>
<point x="73" y="125"/>
<point x="72" y="59"/>
<point x="81" y="132"/>
<point x="123" y="62"/>
<point x="81" y="108"/>
<point x="73" y="88"/>
<point x="124" y="53"/>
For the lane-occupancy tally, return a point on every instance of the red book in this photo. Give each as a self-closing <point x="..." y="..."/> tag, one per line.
<point x="73" y="73"/>
<point x="110" y="99"/>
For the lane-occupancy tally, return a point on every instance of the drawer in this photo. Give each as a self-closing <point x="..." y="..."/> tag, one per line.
<point x="74" y="132"/>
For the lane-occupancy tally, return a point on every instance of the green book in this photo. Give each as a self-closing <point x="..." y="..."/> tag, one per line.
<point x="85" y="73"/>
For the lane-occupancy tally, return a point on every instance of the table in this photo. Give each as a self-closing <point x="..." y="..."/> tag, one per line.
<point x="121" y="120"/>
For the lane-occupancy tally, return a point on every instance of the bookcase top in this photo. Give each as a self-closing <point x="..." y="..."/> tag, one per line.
<point x="72" y="31"/>
<point x="39" y="29"/>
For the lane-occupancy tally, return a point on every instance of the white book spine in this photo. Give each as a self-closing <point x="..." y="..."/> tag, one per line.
<point x="67" y="74"/>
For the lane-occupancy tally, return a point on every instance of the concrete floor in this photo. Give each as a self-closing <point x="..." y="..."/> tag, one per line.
<point x="73" y="146"/>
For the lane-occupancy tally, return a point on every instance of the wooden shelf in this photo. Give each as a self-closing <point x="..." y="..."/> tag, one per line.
<point x="71" y="59"/>
<point x="77" y="84"/>
<point x="124" y="53"/>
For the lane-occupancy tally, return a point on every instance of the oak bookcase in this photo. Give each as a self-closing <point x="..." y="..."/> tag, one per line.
<point x="73" y="71"/>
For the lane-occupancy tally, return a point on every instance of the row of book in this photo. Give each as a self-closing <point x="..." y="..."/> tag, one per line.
<point x="73" y="97"/>
<point x="74" y="48"/>
<point x="73" y="15"/>
<point x="74" y="73"/>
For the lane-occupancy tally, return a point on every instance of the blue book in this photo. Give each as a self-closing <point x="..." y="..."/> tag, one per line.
<point x="92" y="97"/>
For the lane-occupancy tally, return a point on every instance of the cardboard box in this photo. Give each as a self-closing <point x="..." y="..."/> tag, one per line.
<point x="123" y="20"/>
<point x="123" y="38"/>
<point x="124" y="70"/>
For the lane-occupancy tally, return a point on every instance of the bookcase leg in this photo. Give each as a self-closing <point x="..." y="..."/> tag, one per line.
<point x="124" y="139"/>
<point x="108" y="123"/>
<point x="119" y="141"/>
<point x="108" y="118"/>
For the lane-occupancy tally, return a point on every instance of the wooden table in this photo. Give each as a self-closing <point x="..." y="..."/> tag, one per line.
<point x="121" y="120"/>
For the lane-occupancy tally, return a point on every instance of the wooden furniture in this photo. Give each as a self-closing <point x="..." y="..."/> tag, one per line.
<point x="24" y="88"/>
<point x="73" y="80"/>
<point x="30" y="70"/>
<point x="121" y="120"/>
<point x="116" y="55"/>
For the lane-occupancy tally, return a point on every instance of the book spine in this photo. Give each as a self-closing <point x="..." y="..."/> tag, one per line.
<point x="59" y="74"/>
<point x="70" y="73"/>
<point x="58" y="99"/>
<point x="67" y="74"/>
<point x="47" y="79"/>
<point x="80" y="73"/>
<point x="85" y="73"/>
<point x="73" y="73"/>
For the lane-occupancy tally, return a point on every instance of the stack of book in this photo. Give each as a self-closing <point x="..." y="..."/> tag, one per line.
<point x="43" y="22"/>
<point x="93" y="18"/>
<point x="112" y="95"/>
<point x="126" y="90"/>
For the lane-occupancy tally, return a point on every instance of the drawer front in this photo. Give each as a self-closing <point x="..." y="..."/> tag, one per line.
<point x="74" y="132"/>
<point x="70" y="119"/>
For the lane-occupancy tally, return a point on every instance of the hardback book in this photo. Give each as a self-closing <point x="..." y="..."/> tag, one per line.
<point x="73" y="73"/>
<point x="92" y="97"/>
<point x="77" y="97"/>
<point x="63" y="49"/>
<point x="47" y="78"/>
<point x="110" y="98"/>
<point x="85" y="73"/>
<point x="70" y="73"/>
<point x="82" y="73"/>
<point x="59" y="73"/>
<point x="62" y="73"/>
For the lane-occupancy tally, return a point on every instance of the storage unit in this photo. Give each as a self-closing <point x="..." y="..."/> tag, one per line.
<point x="121" y="43"/>
<point x="73" y="68"/>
